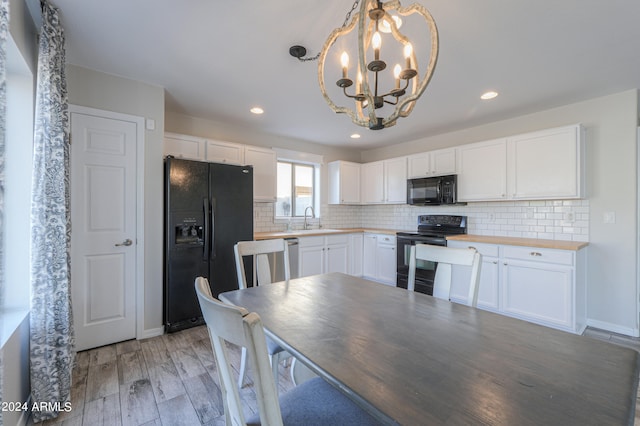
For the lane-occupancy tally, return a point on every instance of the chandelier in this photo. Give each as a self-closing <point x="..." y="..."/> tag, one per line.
<point x="381" y="93"/>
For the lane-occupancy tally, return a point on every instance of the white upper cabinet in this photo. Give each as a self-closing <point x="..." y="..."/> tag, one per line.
<point x="443" y="162"/>
<point x="547" y="164"/>
<point x="183" y="146"/>
<point x="225" y="152"/>
<point x="372" y="178"/>
<point x="264" y="164"/>
<point x="419" y="165"/>
<point x="344" y="182"/>
<point x="395" y="180"/>
<point x="263" y="160"/>
<point x="384" y="181"/>
<point x="482" y="171"/>
<point x="433" y="163"/>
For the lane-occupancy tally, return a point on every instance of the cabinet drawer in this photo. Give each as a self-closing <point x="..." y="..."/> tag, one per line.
<point x="338" y="239"/>
<point x="311" y="241"/>
<point x="483" y="248"/>
<point x="534" y="254"/>
<point x="386" y="239"/>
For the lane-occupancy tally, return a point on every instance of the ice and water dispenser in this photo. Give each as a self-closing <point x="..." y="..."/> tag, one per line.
<point x="188" y="230"/>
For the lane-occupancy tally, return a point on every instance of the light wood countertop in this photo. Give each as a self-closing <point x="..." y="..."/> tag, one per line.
<point x="297" y="233"/>
<point x="527" y="242"/>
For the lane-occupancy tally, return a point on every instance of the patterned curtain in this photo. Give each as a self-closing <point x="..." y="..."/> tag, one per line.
<point x="52" y="340"/>
<point x="4" y="32"/>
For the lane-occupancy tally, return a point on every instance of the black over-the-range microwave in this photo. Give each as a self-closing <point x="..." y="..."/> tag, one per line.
<point x="432" y="191"/>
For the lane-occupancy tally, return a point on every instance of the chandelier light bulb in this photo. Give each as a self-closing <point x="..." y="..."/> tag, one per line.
<point x="408" y="50"/>
<point x="344" y="60"/>
<point x="376" y="42"/>
<point x="396" y="73"/>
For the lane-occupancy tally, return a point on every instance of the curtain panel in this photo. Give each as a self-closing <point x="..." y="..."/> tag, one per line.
<point x="52" y="341"/>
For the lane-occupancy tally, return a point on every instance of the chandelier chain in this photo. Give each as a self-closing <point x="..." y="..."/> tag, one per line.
<point x="344" y="24"/>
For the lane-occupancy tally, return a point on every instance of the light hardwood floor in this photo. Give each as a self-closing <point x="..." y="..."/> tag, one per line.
<point x="166" y="380"/>
<point x="172" y="380"/>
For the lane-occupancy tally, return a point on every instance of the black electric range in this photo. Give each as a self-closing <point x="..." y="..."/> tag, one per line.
<point x="432" y="229"/>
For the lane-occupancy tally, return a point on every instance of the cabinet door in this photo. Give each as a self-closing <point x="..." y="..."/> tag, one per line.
<point x="482" y="171"/>
<point x="183" y="146"/>
<point x="356" y="257"/>
<point x="311" y="260"/>
<point x="546" y="164"/>
<point x="489" y="291"/>
<point x="443" y="162"/>
<point x="337" y="256"/>
<point x="419" y="165"/>
<point x="386" y="262"/>
<point x="264" y="164"/>
<point x="344" y="182"/>
<point x="369" y="255"/>
<point x="372" y="179"/>
<point x="538" y="292"/>
<point x="395" y="180"/>
<point x="225" y="152"/>
<point x="489" y="287"/>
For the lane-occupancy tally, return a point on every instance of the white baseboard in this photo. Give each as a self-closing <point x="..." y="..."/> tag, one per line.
<point x="151" y="332"/>
<point x="614" y="328"/>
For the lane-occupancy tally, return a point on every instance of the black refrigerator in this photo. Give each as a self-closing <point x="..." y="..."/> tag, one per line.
<point x="208" y="208"/>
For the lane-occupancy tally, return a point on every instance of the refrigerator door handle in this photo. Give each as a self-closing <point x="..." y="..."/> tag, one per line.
<point x="213" y="229"/>
<point x="205" y="247"/>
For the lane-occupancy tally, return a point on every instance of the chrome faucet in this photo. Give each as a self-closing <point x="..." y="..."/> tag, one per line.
<point x="313" y="216"/>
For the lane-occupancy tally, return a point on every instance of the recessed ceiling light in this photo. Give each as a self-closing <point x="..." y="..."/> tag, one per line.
<point x="488" y="95"/>
<point x="257" y="110"/>
<point x="355" y="136"/>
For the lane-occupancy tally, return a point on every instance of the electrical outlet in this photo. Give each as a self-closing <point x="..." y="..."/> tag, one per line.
<point x="529" y="212"/>
<point x="492" y="217"/>
<point x="609" y="217"/>
<point x="569" y="217"/>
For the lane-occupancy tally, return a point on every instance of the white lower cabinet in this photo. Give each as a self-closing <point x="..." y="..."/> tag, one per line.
<point x="356" y="242"/>
<point x="540" y="285"/>
<point x="319" y="255"/>
<point x="379" y="258"/>
<point x="489" y="291"/>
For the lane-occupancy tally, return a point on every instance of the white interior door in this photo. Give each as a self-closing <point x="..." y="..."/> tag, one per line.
<point x="103" y="233"/>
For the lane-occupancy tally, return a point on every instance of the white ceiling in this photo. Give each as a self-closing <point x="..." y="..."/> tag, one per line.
<point x="217" y="59"/>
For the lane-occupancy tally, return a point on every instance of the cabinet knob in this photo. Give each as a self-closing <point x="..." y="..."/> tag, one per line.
<point x="505" y="263"/>
<point x="495" y="262"/>
<point x="535" y="253"/>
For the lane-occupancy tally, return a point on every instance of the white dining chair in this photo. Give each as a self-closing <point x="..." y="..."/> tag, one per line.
<point x="314" y="403"/>
<point x="260" y="251"/>
<point x="445" y="257"/>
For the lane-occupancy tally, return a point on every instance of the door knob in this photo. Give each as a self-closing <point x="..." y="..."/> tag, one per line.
<point x="126" y="242"/>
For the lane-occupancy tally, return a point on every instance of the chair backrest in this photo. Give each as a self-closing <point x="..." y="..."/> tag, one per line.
<point x="261" y="249"/>
<point x="445" y="257"/>
<point x="236" y="325"/>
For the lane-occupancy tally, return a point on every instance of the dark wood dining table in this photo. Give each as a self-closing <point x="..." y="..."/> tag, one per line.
<point x="412" y="359"/>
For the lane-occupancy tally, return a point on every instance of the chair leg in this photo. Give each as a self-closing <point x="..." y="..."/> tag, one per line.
<point x="243" y="367"/>
<point x="275" y="360"/>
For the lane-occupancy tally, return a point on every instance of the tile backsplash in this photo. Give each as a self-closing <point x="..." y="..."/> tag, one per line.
<point x="554" y="219"/>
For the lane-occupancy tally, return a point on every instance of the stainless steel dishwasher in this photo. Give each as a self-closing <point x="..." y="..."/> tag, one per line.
<point x="276" y="262"/>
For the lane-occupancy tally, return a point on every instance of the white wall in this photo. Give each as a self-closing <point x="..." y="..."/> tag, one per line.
<point x="107" y="92"/>
<point x="15" y="338"/>
<point x="611" y="123"/>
